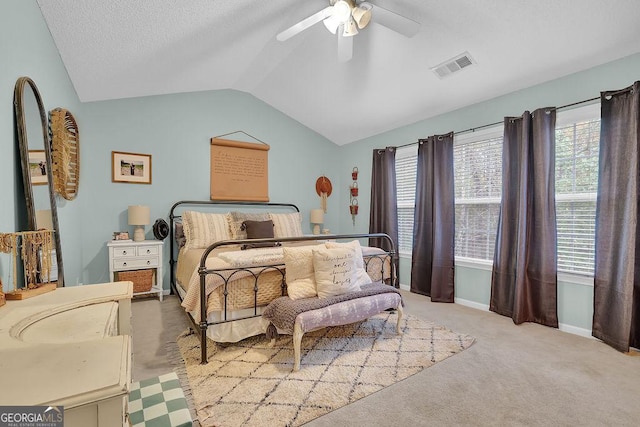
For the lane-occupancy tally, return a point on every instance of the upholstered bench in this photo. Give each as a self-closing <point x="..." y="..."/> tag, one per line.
<point x="296" y="317"/>
<point x="158" y="402"/>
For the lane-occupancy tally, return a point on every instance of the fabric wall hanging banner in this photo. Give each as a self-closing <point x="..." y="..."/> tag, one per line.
<point x="323" y="188"/>
<point x="65" y="147"/>
<point x="239" y="170"/>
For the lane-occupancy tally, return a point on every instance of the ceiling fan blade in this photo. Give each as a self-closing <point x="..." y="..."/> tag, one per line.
<point x="345" y="46"/>
<point x="305" y="23"/>
<point x="398" y="23"/>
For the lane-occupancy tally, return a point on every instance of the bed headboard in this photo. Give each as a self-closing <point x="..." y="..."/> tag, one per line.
<point x="175" y="215"/>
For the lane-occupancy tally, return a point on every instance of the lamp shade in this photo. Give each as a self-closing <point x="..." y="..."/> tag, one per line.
<point x="317" y="216"/>
<point x="139" y="215"/>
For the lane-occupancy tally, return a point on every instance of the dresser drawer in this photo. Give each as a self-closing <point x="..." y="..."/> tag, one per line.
<point x="124" y="251"/>
<point x="147" y="250"/>
<point x="132" y="264"/>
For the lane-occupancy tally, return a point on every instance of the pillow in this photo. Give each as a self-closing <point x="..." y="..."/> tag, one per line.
<point x="258" y="230"/>
<point x="203" y="229"/>
<point x="237" y="218"/>
<point x="363" y="277"/>
<point x="335" y="271"/>
<point x="287" y="225"/>
<point x="299" y="275"/>
<point x="181" y="239"/>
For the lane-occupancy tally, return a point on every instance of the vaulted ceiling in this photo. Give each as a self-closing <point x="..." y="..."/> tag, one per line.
<point x="122" y="48"/>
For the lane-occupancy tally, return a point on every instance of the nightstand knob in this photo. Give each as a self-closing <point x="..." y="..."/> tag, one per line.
<point x="148" y="262"/>
<point x="124" y="264"/>
<point x="148" y="251"/>
<point x="124" y="252"/>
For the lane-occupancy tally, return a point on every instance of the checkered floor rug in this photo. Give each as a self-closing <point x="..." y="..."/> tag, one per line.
<point x="158" y="402"/>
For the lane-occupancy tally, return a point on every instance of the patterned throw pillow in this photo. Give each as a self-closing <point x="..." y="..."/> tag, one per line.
<point x="361" y="273"/>
<point x="237" y="218"/>
<point x="287" y="224"/>
<point x="203" y="229"/>
<point x="335" y="271"/>
<point x="299" y="275"/>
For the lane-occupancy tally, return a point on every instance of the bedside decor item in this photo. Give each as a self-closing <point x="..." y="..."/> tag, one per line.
<point x="130" y="167"/>
<point x="239" y="170"/>
<point x="65" y="148"/>
<point x="139" y="216"/>
<point x="323" y="188"/>
<point x="121" y="235"/>
<point x="317" y="219"/>
<point x="160" y="229"/>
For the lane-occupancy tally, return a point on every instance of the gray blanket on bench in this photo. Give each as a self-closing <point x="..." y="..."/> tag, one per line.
<point x="282" y="312"/>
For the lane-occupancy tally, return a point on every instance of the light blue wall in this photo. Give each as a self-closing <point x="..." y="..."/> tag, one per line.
<point x="575" y="301"/>
<point x="174" y="129"/>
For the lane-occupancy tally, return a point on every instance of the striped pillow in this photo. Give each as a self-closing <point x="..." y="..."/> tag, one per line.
<point x="287" y="224"/>
<point x="203" y="229"/>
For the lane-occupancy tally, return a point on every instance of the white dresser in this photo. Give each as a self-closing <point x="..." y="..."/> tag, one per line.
<point x="129" y="255"/>
<point x="70" y="347"/>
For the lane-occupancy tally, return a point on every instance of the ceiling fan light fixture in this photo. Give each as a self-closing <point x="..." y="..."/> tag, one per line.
<point x="332" y="24"/>
<point x="362" y="14"/>
<point x="350" y="28"/>
<point x="341" y="11"/>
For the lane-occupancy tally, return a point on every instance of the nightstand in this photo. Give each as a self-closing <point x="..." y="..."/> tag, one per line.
<point x="129" y="255"/>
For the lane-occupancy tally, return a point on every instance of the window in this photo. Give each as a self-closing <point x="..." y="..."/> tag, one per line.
<point x="477" y="159"/>
<point x="577" y="151"/>
<point x="406" y="167"/>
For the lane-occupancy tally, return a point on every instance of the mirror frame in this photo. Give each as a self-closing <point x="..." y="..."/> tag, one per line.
<point x="23" y="142"/>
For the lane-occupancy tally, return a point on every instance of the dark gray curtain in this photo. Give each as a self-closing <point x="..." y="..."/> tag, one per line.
<point x="616" y="302"/>
<point x="524" y="284"/>
<point x="432" y="261"/>
<point x="383" y="214"/>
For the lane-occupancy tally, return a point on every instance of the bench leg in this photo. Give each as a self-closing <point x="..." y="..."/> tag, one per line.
<point x="399" y="313"/>
<point x="297" y="342"/>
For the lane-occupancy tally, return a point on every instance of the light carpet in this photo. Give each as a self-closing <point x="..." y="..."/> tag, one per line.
<point x="252" y="383"/>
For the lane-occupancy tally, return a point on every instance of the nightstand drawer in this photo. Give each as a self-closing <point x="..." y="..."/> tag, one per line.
<point x="147" y="250"/>
<point x="124" y="251"/>
<point x="128" y="264"/>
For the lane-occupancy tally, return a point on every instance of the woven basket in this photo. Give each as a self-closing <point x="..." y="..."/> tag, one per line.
<point x="142" y="279"/>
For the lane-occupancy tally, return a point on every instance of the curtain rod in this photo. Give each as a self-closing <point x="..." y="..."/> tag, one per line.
<point x="473" y="129"/>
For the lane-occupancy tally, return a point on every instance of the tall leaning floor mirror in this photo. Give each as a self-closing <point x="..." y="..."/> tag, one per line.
<point x="39" y="245"/>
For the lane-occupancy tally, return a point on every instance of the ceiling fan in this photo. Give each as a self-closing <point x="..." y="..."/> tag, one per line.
<point x="345" y="17"/>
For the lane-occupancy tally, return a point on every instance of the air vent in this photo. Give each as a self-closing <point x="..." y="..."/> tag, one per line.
<point x="453" y="65"/>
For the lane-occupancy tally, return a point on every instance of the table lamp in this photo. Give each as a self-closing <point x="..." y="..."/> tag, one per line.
<point x="317" y="218"/>
<point x="139" y="216"/>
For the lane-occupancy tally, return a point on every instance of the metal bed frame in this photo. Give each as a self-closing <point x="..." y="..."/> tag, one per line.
<point x="255" y="271"/>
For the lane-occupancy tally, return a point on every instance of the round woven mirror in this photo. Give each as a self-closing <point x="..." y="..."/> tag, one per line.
<point x="65" y="146"/>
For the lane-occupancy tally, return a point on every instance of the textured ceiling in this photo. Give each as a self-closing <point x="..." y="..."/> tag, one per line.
<point x="122" y="48"/>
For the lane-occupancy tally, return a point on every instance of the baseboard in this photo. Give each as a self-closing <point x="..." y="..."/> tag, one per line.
<point x="575" y="330"/>
<point x="562" y="326"/>
<point x="472" y="304"/>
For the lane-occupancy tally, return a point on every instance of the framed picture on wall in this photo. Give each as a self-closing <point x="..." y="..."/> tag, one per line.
<point x="38" y="167"/>
<point x="130" y="167"/>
